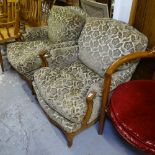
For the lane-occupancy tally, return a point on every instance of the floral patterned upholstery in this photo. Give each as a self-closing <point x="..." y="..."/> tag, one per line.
<point x="24" y="56"/>
<point x="36" y="33"/>
<point x="62" y="57"/>
<point x="55" y="116"/>
<point x="104" y="41"/>
<point x="65" y="24"/>
<point x="65" y="90"/>
<point x="62" y="91"/>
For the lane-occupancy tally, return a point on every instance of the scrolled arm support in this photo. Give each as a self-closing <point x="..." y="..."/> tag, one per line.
<point x="89" y="100"/>
<point x="43" y="56"/>
<point x="108" y="76"/>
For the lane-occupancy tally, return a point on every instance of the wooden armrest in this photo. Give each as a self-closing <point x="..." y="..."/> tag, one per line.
<point x="107" y="80"/>
<point x="89" y="101"/>
<point x="43" y="55"/>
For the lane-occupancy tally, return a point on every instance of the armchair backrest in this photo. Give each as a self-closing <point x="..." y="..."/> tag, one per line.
<point x="3" y="5"/>
<point x="65" y="24"/>
<point x="9" y="24"/>
<point x="104" y="40"/>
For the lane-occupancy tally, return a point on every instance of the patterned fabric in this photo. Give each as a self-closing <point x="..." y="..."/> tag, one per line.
<point x="67" y="125"/>
<point x="78" y="10"/>
<point x="62" y="57"/>
<point x="24" y="56"/>
<point x="64" y="24"/>
<point x="65" y="90"/>
<point x="103" y="41"/>
<point x="118" y="78"/>
<point x="62" y="91"/>
<point x="36" y="33"/>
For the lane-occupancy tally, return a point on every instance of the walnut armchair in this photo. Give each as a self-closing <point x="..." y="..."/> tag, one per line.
<point x="9" y="24"/>
<point x="64" y="27"/>
<point x="71" y="94"/>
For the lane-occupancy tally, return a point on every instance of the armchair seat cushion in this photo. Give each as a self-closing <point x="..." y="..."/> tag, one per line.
<point x="24" y="56"/>
<point x="65" y="90"/>
<point x="132" y="110"/>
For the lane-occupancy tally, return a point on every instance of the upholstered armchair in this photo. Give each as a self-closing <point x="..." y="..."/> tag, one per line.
<point x="64" y="27"/>
<point x="71" y="95"/>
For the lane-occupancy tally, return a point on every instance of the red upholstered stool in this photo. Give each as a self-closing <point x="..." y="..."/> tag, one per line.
<point x="132" y="110"/>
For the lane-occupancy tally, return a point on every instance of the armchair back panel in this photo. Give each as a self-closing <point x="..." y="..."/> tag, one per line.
<point x="64" y="24"/>
<point x="103" y="41"/>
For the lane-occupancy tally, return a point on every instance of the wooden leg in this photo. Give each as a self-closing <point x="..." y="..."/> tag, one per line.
<point x="1" y="61"/>
<point x="31" y="86"/>
<point x="70" y="138"/>
<point x="101" y="124"/>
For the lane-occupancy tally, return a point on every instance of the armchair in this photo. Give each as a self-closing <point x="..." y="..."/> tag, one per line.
<point x="9" y="24"/>
<point x="71" y="95"/>
<point x="64" y="27"/>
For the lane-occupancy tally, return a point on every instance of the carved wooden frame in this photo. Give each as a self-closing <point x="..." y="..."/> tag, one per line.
<point x="89" y="101"/>
<point x="12" y="20"/>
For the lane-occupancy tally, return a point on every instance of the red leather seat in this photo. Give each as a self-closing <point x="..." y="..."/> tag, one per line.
<point x="132" y="110"/>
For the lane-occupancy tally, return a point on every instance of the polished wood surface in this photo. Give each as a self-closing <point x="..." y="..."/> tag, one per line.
<point x="9" y="26"/>
<point x="3" y="9"/>
<point x="1" y="61"/>
<point x="107" y="81"/>
<point x="133" y="12"/>
<point x="144" y="19"/>
<point x="35" y="12"/>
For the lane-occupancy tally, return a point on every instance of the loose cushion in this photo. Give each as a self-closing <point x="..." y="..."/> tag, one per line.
<point x="24" y="56"/>
<point x="64" y="24"/>
<point x="103" y="40"/>
<point x="132" y="110"/>
<point x="65" y="90"/>
<point x="67" y="125"/>
<point x="62" y="57"/>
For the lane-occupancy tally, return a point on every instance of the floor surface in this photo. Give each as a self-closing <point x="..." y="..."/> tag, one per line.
<point x="25" y="130"/>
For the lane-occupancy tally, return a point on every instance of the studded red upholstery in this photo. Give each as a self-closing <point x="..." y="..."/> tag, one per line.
<point x="132" y="110"/>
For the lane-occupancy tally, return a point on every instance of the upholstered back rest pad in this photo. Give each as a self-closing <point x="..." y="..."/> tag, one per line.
<point x="104" y="40"/>
<point x="65" y="24"/>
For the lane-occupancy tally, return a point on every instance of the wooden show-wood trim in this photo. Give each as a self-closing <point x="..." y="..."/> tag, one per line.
<point x="107" y="81"/>
<point x="43" y="58"/>
<point x="133" y="12"/>
<point x="85" y="122"/>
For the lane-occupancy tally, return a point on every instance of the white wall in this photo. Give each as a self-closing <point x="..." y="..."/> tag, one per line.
<point x="122" y="10"/>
